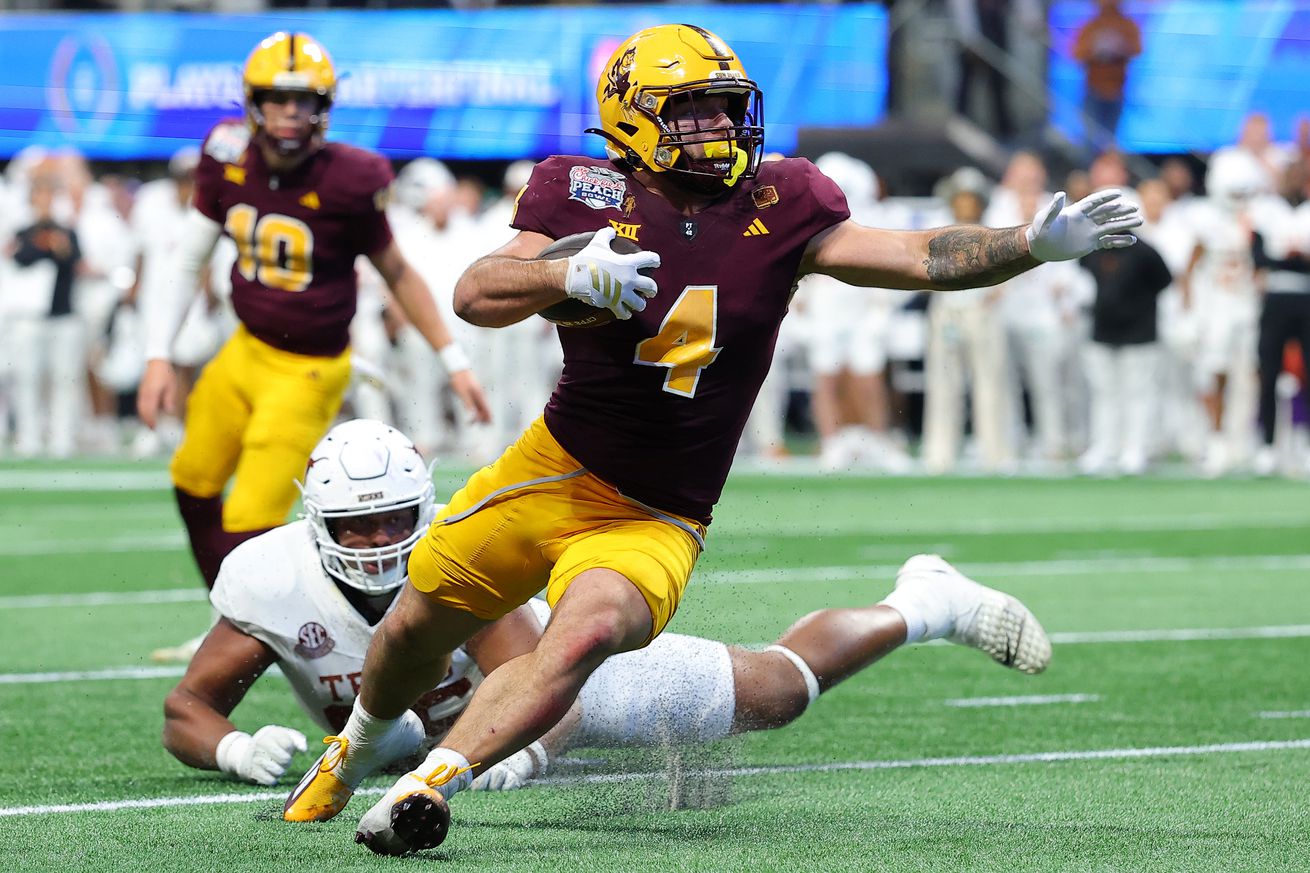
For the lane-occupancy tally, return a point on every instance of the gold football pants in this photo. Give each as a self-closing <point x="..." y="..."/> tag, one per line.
<point x="256" y="412"/>
<point x="537" y="519"/>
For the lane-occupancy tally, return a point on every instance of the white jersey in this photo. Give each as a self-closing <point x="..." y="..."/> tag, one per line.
<point x="274" y="588"/>
<point x="1225" y="271"/>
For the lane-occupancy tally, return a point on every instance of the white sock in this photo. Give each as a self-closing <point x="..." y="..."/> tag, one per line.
<point x="361" y="731"/>
<point x="450" y="760"/>
<point x="915" y="626"/>
<point x="363" y="726"/>
<point x="927" y="610"/>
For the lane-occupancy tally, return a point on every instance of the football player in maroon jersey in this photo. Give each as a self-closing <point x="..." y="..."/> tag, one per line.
<point x="300" y="211"/>
<point x="605" y="501"/>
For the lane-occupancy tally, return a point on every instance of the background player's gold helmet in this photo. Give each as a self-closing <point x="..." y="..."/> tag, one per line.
<point x="653" y="67"/>
<point x="289" y="62"/>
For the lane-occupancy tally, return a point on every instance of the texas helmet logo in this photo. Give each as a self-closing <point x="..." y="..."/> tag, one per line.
<point x="597" y="187"/>
<point x="619" y="79"/>
<point x="314" y="641"/>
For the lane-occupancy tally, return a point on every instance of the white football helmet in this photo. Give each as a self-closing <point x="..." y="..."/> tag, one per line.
<point x="363" y="467"/>
<point x="1234" y="178"/>
<point x="854" y="177"/>
<point x="419" y="180"/>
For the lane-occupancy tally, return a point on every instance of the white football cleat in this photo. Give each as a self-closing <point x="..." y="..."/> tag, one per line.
<point x="411" y="817"/>
<point x="328" y="786"/>
<point x="975" y="615"/>
<point x="182" y="653"/>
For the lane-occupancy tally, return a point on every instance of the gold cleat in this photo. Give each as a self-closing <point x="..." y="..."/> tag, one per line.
<point x="321" y="794"/>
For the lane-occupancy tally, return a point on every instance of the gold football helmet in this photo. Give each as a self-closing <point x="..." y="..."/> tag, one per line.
<point x="289" y="62"/>
<point x="652" y="70"/>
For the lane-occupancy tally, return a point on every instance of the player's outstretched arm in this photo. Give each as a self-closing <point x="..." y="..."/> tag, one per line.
<point x="415" y="299"/>
<point x="968" y="256"/>
<point x="196" y="729"/>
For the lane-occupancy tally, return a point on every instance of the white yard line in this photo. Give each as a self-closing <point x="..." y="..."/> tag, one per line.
<point x="1023" y="700"/>
<point x="1273" y="632"/>
<point x="91" y="675"/>
<point x="843" y="573"/>
<point x="84" y="480"/>
<point x="909" y="763"/>
<point x="862" y="524"/>
<point x="78" y="545"/>
<point x="104" y="598"/>
<point x="1181" y="635"/>
<point x="995" y="571"/>
<point x="998" y="570"/>
<point x="1300" y="713"/>
<point x="108" y="673"/>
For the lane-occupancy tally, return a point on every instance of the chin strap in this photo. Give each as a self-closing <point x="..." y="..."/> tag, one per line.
<point x="625" y="152"/>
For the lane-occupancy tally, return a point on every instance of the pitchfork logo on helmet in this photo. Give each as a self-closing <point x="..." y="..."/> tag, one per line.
<point x="289" y="62"/>
<point x="652" y="70"/>
<point x="364" y="468"/>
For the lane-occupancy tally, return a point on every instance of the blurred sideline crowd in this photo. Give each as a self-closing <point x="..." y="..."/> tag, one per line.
<point x="1186" y="348"/>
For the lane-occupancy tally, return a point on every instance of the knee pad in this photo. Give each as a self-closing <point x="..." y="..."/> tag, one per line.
<point x="677" y="690"/>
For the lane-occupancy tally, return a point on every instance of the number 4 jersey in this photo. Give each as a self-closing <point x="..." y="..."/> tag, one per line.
<point x="655" y="405"/>
<point x="274" y="588"/>
<point x="297" y="235"/>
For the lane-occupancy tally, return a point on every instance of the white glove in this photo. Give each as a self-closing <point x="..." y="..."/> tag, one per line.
<point x="515" y="771"/>
<point x="262" y="758"/>
<point x="601" y="277"/>
<point x="1062" y="233"/>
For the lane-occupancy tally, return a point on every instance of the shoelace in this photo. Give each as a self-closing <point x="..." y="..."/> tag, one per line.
<point x="333" y="757"/>
<point x="443" y="774"/>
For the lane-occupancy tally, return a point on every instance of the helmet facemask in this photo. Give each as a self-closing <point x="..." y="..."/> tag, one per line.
<point x="361" y="470"/>
<point x="372" y="570"/>
<point x="318" y="120"/>
<point x="705" y="157"/>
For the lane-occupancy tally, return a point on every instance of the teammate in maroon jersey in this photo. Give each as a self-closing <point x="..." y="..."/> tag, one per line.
<point x="300" y="211"/>
<point x="605" y="501"/>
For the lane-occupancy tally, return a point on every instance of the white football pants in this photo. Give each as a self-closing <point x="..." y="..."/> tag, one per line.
<point x="965" y="339"/>
<point x="1125" y="390"/>
<point x="48" y="359"/>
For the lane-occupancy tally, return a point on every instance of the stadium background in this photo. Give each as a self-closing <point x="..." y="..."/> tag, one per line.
<point x="1173" y="722"/>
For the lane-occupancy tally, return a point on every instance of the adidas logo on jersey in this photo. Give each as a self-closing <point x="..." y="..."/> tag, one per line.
<point x="756" y="228"/>
<point x="310" y="200"/>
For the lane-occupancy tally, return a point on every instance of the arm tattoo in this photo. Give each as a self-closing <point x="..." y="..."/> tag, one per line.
<point x="971" y="257"/>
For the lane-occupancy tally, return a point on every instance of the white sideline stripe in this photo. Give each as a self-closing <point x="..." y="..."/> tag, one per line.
<point x="104" y="598"/>
<point x="967" y="761"/>
<point x="1300" y="713"/>
<point x="91" y="675"/>
<point x="83" y="480"/>
<point x="1024" y="700"/>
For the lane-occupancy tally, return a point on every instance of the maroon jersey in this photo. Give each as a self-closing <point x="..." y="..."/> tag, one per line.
<point x="297" y="235"/>
<point x="656" y="404"/>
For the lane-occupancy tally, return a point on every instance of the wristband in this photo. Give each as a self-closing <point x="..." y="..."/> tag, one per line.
<point x="454" y="358"/>
<point x="225" y="752"/>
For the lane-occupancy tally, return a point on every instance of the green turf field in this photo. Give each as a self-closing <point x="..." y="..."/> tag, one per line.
<point x="1172" y="731"/>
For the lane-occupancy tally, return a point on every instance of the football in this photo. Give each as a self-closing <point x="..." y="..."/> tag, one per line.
<point x="575" y="313"/>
